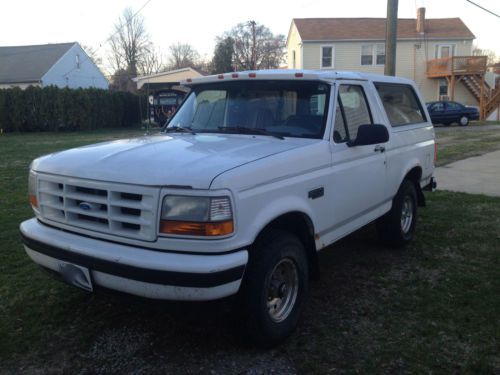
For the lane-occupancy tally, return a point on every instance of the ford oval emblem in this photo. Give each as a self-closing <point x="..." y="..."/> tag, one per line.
<point x="86" y="206"/>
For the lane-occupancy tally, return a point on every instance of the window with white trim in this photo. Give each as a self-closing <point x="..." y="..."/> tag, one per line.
<point x="327" y="55"/>
<point x="373" y="54"/>
<point x="444" y="51"/>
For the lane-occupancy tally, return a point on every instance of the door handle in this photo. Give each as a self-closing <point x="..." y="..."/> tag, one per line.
<point x="379" y="148"/>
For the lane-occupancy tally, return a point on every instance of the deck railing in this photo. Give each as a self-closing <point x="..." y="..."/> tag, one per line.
<point x="456" y="65"/>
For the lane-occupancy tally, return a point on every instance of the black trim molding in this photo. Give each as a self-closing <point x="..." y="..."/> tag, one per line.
<point x="182" y="279"/>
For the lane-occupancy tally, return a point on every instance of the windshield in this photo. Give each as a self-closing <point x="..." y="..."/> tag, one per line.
<point x="279" y="108"/>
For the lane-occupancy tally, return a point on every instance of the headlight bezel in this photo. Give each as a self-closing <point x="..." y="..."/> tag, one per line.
<point x="217" y="221"/>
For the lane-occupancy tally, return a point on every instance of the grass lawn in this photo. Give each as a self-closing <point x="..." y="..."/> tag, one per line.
<point x="433" y="307"/>
<point x="457" y="143"/>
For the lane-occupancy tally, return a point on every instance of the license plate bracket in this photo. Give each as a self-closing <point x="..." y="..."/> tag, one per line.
<point x="76" y="275"/>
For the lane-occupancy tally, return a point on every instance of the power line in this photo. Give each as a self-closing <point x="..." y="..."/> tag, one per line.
<point x="483" y="8"/>
<point x="128" y="22"/>
<point x="119" y="28"/>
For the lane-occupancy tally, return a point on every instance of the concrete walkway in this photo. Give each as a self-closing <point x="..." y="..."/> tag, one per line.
<point x="476" y="175"/>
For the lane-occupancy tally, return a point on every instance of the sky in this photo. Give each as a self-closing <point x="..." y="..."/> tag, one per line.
<point x="198" y="23"/>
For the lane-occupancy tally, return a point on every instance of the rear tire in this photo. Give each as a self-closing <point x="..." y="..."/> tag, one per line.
<point x="397" y="227"/>
<point x="275" y="288"/>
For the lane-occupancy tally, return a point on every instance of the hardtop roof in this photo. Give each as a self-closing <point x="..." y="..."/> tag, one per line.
<point x="291" y="74"/>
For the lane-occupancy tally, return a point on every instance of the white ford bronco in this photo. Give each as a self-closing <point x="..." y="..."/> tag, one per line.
<point x="254" y="174"/>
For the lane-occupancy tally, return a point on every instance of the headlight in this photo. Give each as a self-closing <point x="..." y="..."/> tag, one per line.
<point x="196" y="216"/>
<point x="32" y="190"/>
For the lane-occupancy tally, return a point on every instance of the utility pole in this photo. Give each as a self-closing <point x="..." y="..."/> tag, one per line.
<point x="391" y="31"/>
<point x="253" y="59"/>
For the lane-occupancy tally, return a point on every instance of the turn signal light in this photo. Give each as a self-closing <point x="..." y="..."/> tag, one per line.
<point x="33" y="201"/>
<point x="192" y="228"/>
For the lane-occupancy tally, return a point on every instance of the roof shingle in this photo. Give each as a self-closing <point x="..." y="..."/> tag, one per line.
<point x="29" y="63"/>
<point x="330" y="29"/>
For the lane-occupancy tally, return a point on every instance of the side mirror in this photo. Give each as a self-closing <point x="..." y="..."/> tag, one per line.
<point x="370" y="134"/>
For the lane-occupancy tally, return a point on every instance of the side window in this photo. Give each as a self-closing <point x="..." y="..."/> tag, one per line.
<point x="352" y="111"/>
<point x="400" y="103"/>
<point x="438" y="107"/>
<point x="453" y="106"/>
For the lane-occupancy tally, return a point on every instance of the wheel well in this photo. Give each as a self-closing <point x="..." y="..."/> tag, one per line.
<point x="300" y="225"/>
<point x="414" y="175"/>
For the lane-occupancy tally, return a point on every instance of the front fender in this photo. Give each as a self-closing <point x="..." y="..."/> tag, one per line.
<point x="279" y="207"/>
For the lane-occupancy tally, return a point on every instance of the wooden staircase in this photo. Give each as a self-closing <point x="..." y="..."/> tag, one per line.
<point x="492" y="103"/>
<point x="488" y="98"/>
<point x="471" y="71"/>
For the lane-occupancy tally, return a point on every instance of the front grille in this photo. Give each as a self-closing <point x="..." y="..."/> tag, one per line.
<point x="121" y="210"/>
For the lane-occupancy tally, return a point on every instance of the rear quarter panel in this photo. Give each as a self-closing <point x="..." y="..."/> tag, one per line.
<point x="409" y="146"/>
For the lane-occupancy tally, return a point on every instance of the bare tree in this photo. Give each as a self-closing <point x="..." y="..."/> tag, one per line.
<point x="92" y="54"/>
<point x="492" y="56"/>
<point x="129" y="44"/>
<point x="182" y="56"/>
<point x="152" y="62"/>
<point x="256" y="47"/>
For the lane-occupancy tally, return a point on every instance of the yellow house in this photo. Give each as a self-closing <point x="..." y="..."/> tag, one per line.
<point x="435" y="53"/>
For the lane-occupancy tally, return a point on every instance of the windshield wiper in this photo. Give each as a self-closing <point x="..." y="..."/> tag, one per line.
<point x="179" y="129"/>
<point x="245" y="130"/>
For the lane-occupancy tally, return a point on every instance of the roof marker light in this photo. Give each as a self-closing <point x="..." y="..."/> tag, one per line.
<point x="189" y="80"/>
<point x="299" y="75"/>
<point x="252" y="75"/>
<point x="220" y="76"/>
<point x="235" y="75"/>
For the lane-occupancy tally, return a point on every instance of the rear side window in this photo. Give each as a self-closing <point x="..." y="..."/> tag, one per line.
<point x="400" y="103"/>
<point x="454" y="106"/>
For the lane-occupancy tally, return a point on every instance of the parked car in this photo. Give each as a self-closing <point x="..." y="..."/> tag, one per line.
<point x="446" y="113"/>
<point x="255" y="173"/>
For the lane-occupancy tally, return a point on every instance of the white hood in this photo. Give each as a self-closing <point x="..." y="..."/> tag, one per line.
<point x="164" y="159"/>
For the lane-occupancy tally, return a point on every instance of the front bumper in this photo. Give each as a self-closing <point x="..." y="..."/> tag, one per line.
<point x="142" y="272"/>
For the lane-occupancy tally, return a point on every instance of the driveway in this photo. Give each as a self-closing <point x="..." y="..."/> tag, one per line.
<point x="476" y="175"/>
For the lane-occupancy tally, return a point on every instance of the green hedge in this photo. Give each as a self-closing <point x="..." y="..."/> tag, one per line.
<point x="55" y="109"/>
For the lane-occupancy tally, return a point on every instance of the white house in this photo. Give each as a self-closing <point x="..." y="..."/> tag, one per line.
<point x="61" y="65"/>
<point x="435" y="53"/>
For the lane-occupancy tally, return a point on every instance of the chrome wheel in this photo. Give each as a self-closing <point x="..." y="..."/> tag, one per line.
<point x="282" y="290"/>
<point x="464" y="120"/>
<point x="407" y="214"/>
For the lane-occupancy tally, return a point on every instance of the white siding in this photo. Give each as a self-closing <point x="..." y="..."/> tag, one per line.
<point x="411" y="62"/>
<point x="294" y="43"/>
<point x="66" y="73"/>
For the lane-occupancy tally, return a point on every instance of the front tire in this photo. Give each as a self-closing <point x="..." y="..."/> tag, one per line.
<point x="275" y="288"/>
<point x="397" y="227"/>
<point x="464" y="121"/>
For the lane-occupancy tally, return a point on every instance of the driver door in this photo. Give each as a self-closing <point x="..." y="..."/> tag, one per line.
<point x="358" y="179"/>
